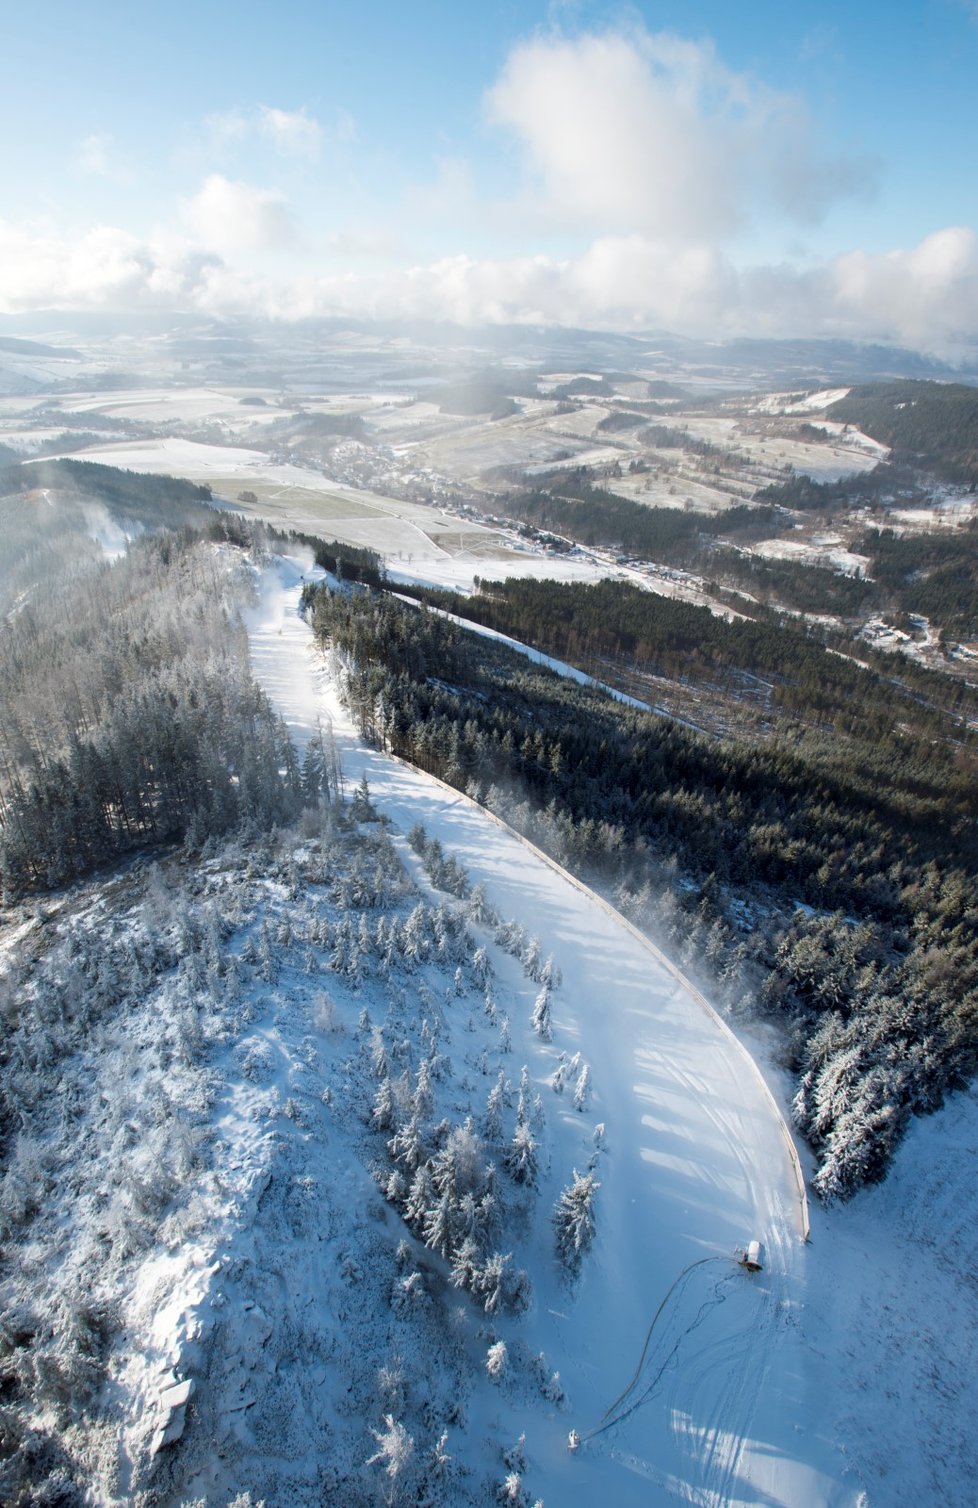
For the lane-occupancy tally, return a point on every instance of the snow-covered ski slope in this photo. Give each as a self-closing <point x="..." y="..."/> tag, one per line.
<point x="722" y="1409"/>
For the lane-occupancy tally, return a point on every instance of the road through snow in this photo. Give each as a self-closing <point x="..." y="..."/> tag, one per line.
<point x="722" y="1411"/>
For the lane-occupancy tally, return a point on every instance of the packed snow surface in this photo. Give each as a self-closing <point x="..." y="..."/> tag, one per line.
<point x="721" y="1408"/>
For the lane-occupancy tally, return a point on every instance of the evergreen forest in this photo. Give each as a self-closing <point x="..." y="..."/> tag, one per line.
<point x="833" y="879"/>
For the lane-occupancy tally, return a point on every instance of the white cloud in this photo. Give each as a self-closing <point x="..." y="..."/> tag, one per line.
<point x="226" y="128"/>
<point x="293" y="132"/>
<point x="652" y="134"/>
<point x="227" y="215"/>
<point x="924" y="296"/>
<point x="107" y="268"/>
<point x="355" y="244"/>
<point x="97" y="156"/>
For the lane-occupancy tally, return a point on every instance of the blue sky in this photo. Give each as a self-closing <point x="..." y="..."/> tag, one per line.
<point x="703" y="166"/>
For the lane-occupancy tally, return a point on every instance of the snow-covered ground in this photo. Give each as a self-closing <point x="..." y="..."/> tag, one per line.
<point x="726" y="1408"/>
<point x="209" y="1213"/>
<point x="892" y="1314"/>
<point x="790" y="403"/>
<point x="819" y="549"/>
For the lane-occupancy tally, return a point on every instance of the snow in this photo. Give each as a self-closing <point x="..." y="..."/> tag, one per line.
<point x="190" y="458"/>
<point x="822" y="550"/>
<point x="853" y="436"/>
<point x="789" y="403"/>
<point x="697" y="1164"/>
<point x="253" y="1324"/>
<point x="893" y="1313"/>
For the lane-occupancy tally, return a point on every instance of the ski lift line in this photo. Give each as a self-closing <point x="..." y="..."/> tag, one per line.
<point x="605" y="1422"/>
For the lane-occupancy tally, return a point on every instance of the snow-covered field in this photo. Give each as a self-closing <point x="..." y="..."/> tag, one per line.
<point x="811" y="403"/>
<point x="824" y="550"/>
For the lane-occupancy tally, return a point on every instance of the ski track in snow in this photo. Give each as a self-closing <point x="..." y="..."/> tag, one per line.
<point x="696" y="1165"/>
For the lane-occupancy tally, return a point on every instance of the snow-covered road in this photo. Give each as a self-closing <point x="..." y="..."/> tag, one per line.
<point x="722" y="1411"/>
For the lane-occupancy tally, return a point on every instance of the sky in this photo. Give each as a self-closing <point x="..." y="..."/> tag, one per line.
<point x="700" y="167"/>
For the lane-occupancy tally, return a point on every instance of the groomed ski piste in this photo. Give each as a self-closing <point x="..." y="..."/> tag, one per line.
<point x="686" y="1377"/>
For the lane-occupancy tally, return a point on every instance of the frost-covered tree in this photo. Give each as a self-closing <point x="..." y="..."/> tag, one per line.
<point x="420" y="1197"/>
<point x="533" y="961"/>
<point x="362" y="806"/>
<point x="379" y="1064"/>
<point x="465" y="1264"/>
<point x="439" y="1225"/>
<point x="573" y="1219"/>
<point x="439" y="1461"/>
<point x="582" y="1088"/>
<point x="383" y="1115"/>
<point x="523" y="1100"/>
<point x="550" y="974"/>
<point x="480" y="909"/>
<point x="395" y="1450"/>
<point x="406" y="1146"/>
<point x="520" y="1159"/>
<point x="481" y="965"/>
<point x="494" y="1109"/>
<point x="492" y="1282"/>
<point x="424" y="1100"/>
<point x="496" y="1360"/>
<point x="416" y="935"/>
<point x="540" y="1018"/>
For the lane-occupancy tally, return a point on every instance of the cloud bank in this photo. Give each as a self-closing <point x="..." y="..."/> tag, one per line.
<point x="926" y="296"/>
<point x="643" y="157"/>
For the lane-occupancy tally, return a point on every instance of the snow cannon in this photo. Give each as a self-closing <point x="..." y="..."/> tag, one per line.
<point x="573" y="1441"/>
<point x="753" y="1257"/>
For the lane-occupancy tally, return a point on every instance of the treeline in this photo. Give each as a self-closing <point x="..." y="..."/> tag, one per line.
<point x="942" y="585"/>
<point x="153" y="501"/>
<point x="489" y="393"/>
<point x="324" y="427"/>
<point x="878" y="1003"/>
<point x="610" y="627"/>
<point x="885" y="482"/>
<point x="932" y="424"/>
<point x="668" y="437"/>
<point x="592" y="516"/>
<point x="804" y="588"/>
<point x="131" y="717"/>
<point x="348" y="562"/>
<point x="935" y="575"/>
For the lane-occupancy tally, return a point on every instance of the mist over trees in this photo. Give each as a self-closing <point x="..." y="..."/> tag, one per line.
<point x="130" y="713"/>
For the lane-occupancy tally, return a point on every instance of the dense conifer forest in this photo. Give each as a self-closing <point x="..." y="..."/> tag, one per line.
<point x="934" y="424"/>
<point x="862" y="864"/>
<point x="130" y="714"/>
<point x="574" y="506"/>
<point x="619" y="632"/>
